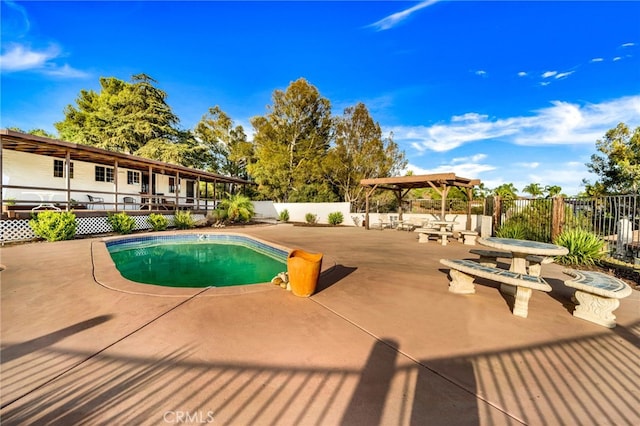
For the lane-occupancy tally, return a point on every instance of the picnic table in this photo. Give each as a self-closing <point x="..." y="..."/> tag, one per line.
<point x="443" y="229"/>
<point x="520" y="250"/>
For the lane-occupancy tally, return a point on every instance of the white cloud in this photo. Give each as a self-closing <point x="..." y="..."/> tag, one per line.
<point x="627" y="44"/>
<point x="460" y="169"/>
<point x="597" y="60"/>
<point x="19" y="57"/>
<point x="396" y="18"/>
<point x="532" y="165"/>
<point x="481" y="73"/>
<point x="617" y="58"/>
<point x="522" y="74"/>
<point x="562" y="123"/>
<point x="548" y="74"/>
<point x="564" y="74"/>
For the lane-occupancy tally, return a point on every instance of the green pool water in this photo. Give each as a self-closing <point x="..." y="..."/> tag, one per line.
<point x="196" y="265"/>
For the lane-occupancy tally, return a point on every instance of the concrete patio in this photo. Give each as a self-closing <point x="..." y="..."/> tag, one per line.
<point x="382" y="342"/>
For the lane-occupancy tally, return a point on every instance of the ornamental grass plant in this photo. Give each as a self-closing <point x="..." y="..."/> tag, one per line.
<point x="585" y="248"/>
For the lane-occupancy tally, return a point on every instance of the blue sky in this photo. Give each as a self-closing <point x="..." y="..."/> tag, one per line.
<point x="506" y="92"/>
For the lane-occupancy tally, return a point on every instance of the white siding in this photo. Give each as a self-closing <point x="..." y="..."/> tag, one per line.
<point x="25" y="169"/>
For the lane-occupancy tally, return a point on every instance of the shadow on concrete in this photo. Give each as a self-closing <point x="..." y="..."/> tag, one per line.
<point x="18" y="350"/>
<point x="586" y="380"/>
<point x="332" y="276"/>
<point x="369" y="398"/>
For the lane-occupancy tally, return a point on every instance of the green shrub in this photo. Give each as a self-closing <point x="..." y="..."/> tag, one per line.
<point x="183" y="219"/>
<point x="237" y="208"/>
<point x="336" y="218"/>
<point x="158" y="222"/>
<point x="311" y="218"/>
<point x="121" y="222"/>
<point x="284" y="215"/>
<point x="585" y="248"/>
<point x="513" y="229"/>
<point x="53" y="225"/>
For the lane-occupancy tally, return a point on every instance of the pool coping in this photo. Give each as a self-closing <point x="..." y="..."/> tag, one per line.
<point x="107" y="275"/>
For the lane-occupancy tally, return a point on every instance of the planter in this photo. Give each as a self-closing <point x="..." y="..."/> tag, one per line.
<point x="304" y="270"/>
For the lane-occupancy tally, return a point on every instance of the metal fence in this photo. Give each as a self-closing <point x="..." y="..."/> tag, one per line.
<point x="616" y="219"/>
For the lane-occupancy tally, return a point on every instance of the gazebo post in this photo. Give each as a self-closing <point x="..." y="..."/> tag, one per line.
<point x="366" y="208"/>
<point x="469" y="198"/>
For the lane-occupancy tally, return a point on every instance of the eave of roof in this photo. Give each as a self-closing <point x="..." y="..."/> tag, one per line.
<point x="23" y="142"/>
<point x="420" y="181"/>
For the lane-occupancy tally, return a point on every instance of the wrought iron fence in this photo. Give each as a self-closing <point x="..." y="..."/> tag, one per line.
<point x="616" y="219"/>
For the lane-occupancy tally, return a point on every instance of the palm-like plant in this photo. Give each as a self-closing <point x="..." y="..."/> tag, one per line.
<point x="236" y="208"/>
<point x="585" y="248"/>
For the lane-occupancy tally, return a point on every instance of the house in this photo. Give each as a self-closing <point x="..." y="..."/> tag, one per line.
<point x="43" y="173"/>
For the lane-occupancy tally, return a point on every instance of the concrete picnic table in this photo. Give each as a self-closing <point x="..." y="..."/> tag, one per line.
<point x="520" y="249"/>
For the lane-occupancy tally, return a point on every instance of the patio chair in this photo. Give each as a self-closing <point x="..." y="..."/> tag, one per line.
<point x="129" y="201"/>
<point x="95" y="200"/>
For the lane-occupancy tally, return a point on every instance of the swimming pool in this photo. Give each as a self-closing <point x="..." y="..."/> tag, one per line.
<point x="197" y="260"/>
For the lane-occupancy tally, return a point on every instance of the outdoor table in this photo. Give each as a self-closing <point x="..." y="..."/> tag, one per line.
<point x="443" y="224"/>
<point x="520" y="249"/>
<point x="44" y="204"/>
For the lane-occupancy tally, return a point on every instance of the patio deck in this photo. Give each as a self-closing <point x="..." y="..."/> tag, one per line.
<point x="382" y="342"/>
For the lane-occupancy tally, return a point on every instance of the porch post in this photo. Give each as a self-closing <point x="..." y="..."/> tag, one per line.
<point x="177" y="189"/>
<point x="67" y="165"/>
<point x="198" y="194"/>
<point x="115" y="183"/>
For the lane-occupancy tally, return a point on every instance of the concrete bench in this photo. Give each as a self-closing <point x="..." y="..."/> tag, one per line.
<point x="425" y="233"/>
<point x="597" y="296"/>
<point x="463" y="271"/>
<point x="405" y="226"/>
<point x="490" y="258"/>
<point x="468" y="237"/>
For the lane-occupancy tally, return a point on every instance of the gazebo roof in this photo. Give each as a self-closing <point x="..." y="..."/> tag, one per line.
<point x="420" y="181"/>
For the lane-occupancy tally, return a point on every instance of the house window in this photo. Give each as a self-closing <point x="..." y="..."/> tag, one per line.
<point x="172" y="185"/>
<point x="104" y="174"/>
<point x="133" y="178"/>
<point x="58" y="169"/>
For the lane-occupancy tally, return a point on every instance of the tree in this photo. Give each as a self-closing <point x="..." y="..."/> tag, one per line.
<point x="619" y="164"/>
<point x="35" y="132"/>
<point x="533" y="189"/>
<point x="360" y="152"/>
<point x="481" y="191"/>
<point x="123" y="117"/>
<point x="506" y="191"/>
<point x="224" y="148"/>
<point x="552" y="190"/>
<point x="290" y="144"/>
<point x="236" y="208"/>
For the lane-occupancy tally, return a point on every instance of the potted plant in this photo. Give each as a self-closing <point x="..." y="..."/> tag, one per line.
<point x="6" y="204"/>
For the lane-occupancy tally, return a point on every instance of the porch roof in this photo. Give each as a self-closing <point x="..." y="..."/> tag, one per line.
<point x="23" y="142"/>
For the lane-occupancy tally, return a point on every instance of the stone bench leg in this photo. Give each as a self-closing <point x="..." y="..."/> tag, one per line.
<point x="596" y="309"/>
<point x="521" y="304"/>
<point x="461" y="283"/>
<point x="535" y="269"/>
<point x="444" y="240"/>
<point x="423" y="238"/>
<point x="469" y="240"/>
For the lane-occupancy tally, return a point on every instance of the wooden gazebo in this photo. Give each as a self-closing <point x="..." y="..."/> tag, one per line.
<point x="401" y="185"/>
